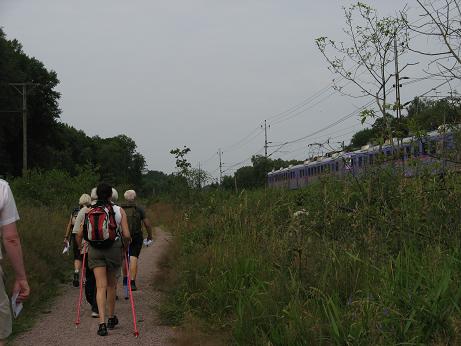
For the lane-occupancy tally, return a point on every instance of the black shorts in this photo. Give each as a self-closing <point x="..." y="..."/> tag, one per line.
<point x="75" y="250"/>
<point x="136" y="245"/>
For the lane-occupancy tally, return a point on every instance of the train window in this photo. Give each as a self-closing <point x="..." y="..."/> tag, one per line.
<point x="352" y="162"/>
<point x="360" y="161"/>
<point x="337" y="166"/>
<point x="424" y="148"/>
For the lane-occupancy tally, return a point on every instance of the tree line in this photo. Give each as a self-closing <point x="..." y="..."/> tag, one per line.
<point x="51" y="143"/>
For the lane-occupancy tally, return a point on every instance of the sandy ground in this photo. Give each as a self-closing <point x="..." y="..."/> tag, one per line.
<point x="58" y="327"/>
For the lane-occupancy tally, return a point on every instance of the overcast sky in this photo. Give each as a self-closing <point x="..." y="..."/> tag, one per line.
<point x="201" y="73"/>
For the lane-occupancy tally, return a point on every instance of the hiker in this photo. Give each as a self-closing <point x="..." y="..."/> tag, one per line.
<point x="90" y="281"/>
<point x="136" y="217"/>
<point x="71" y="230"/>
<point x="105" y="256"/>
<point x="12" y="244"/>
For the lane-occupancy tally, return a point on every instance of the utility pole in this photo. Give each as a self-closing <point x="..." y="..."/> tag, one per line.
<point x="397" y="79"/>
<point x="21" y="88"/>
<point x="220" y="165"/>
<point x="199" y="177"/>
<point x="265" y="137"/>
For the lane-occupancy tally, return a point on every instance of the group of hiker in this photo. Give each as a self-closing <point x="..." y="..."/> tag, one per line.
<point x="103" y="236"/>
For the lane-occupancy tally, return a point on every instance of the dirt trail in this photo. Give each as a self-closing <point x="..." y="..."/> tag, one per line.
<point x="58" y="328"/>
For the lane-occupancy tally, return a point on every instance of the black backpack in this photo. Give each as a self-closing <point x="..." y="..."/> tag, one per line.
<point x="134" y="219"/>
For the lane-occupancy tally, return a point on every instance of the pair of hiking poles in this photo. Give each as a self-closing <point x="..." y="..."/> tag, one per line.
<point x="127" y="267"/>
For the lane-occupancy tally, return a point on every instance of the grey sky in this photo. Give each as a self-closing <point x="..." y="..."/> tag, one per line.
<point x="202" y="73"/>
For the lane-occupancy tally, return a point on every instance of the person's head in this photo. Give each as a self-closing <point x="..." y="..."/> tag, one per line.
<point x="94" y="195"/>
<point x="104" y="192"/>
<point x="114" y="197"/>
<point x="85" y="200"/>
<point x="130" y="195"/>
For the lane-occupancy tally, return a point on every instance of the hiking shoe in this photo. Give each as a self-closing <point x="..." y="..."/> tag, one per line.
<point x="112" y="322"/>
<point x="133" y="286"/>
<point x="102" y="331"/>
<point x="94" y="312"/>
<point x="76" y="281"/>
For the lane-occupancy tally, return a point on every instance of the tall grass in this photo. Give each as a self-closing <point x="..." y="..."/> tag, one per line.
<point x="369" y="261"/>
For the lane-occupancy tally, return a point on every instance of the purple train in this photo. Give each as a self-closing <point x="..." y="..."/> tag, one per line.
<point x="427" y="150"/>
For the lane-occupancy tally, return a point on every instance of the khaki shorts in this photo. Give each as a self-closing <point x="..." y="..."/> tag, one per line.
<point x="5" y="311"/>
<point x="111" y="258"/>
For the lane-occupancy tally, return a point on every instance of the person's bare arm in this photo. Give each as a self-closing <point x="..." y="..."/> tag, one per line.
<point x="79" y="236"/>
<point x="148" y="227"/>
<point x="13" y="249"/>
<point x="68" y="230"/>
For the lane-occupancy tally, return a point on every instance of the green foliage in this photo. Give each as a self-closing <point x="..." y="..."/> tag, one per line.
<point x="182" y="164"/>
<point x="250" y="177"/>
<point x="53" y="188"/>
<point x="51" y="144"/>
<point x="344" y="262"/>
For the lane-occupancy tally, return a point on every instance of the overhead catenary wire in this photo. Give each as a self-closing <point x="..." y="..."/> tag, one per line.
<point x="296" y="110"/>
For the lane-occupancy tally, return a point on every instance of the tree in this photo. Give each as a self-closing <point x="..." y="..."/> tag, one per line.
<point x="364" y="59"/>
<point x="43" y="109"/>
<point x="442" y="23"/>
<point x="362" y="138"/>
<point x="182" y="165"/>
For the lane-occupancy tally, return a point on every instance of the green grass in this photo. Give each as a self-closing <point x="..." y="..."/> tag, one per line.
<point x="370" y="262"/>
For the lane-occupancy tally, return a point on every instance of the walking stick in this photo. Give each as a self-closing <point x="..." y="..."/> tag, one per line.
<point x="133" y="312"/>
<point x="82" y="274"/>
<point x="125" y="288"/>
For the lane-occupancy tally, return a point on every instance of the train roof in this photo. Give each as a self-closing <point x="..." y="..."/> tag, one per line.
<point x="366" y="149"/>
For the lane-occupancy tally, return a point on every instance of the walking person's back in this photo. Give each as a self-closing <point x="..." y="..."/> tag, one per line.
<point x="105" y="251"/>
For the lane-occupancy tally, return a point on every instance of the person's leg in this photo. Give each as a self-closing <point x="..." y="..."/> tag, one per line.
<point x="77" y="261"/>
<point x="101" y="288"/>
<point x="77" y="265"/>
<point x="133" y="267"/>
<point x="90" y="290"/>
<point x="111" y="290"/>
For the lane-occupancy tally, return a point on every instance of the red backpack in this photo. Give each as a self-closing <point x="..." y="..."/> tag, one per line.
<point x="100" y="227"/>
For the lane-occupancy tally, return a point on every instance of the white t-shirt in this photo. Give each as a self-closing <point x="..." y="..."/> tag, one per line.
<point x="8" y="211"/>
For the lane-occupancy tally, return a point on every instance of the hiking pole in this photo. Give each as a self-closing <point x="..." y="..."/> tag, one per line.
<point x="133" y="312"/>
<point x="127" y="265"/>
<point x="82" y="274"/>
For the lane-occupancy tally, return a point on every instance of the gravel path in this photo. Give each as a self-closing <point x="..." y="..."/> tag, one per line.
<point x="58" y="328"/>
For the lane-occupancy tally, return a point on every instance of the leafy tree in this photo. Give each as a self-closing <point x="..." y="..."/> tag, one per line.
<point x="364" y="59"/>
<point x="441" y="22"/>
<point x="182" y="164"/>
<point x="52" y="144"/>
<point x="43" y="110"/>
<point x="362" y="138"/>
